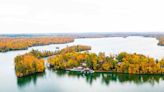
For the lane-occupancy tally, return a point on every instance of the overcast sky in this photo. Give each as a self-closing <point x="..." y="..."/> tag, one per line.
<point x="52" y="16"/>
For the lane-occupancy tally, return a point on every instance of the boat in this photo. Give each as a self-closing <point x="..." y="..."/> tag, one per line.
<point x="82" y="70"/>
<point x="87" y="70"/>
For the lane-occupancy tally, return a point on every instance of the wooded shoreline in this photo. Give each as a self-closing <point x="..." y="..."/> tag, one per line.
<point x="78" y="57"/>
<point x="32" y="62"/>
<point x="23" y="43"/>
<point x="12" y="44"/>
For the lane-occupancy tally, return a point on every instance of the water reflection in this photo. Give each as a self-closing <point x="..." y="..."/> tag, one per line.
<point x="106" y="78"/>
<point x="22" y="82"/>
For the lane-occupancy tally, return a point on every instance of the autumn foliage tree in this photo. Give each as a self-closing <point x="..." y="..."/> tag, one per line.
<point x="123" y="62"/>
<point x="41" y="54"/>
<point x="28" y="64"/>
<point x="7" y="44"/>
<point x="138" y="64"/>
<point x="75" y="48"/>
<point x="77" y="55"/>
<point x="161" y="41"/>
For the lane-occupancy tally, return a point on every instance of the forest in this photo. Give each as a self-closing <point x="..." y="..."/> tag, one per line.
<point x="42" y="54"/>
<point x="75" y="48"/>
<point x="21" y="43"/>
<point x="28" y="64"/>
<point x="32" y="62"/>
<point x="121" y="63"/>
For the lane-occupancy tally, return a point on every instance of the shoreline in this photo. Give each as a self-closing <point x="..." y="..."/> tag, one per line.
<point x="35" y="45"/>
<point x="5" y="51"/>
<point x="107" y="72"/>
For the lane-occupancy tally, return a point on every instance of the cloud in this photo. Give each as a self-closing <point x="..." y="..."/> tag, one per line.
<point x="40" y="16"/>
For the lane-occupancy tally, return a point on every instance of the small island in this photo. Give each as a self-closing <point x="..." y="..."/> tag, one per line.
<point x="28" y="64"/>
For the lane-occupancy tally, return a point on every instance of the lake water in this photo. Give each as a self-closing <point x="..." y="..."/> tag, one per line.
<point x="61" y="81"/>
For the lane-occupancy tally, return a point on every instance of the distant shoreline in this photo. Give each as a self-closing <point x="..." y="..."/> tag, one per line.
<point x="12" y="44"/>
<point x="158" y="35"/>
